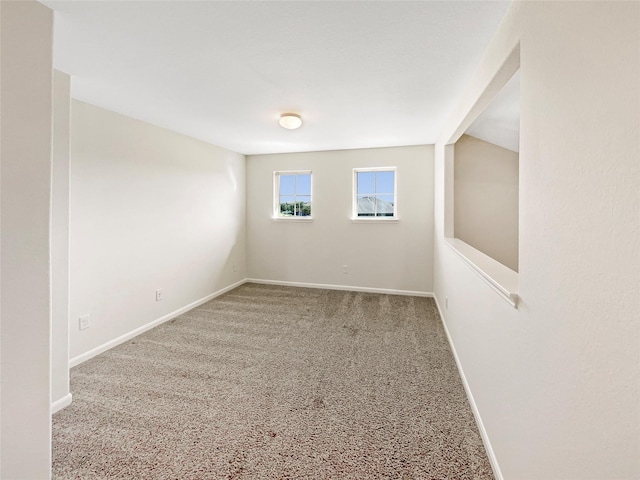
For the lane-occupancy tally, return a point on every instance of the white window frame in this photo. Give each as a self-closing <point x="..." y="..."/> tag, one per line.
<point x="276" y="196"/>
<point x="354" y="196"/>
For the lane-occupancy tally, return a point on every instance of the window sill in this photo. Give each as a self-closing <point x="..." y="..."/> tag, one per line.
<point x="293" y="219"/>
<point x="502" y="279"/>
<point x="374" y="220"/>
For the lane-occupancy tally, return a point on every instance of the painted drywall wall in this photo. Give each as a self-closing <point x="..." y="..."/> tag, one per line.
<point x="150" y="209"/>
<point x="555" y="382"/>
<point x="60" y="241"/>
<point x="393" y="256"/>
<point x="25" y="201"/>
<point x="486" y="198"/>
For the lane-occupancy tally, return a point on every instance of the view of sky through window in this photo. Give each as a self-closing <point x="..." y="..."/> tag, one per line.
<point x="295" y="195"/>
<point x="375" y="193"/>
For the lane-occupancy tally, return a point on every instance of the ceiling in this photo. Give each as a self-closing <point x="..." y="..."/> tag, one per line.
<point x="361" y="74"/>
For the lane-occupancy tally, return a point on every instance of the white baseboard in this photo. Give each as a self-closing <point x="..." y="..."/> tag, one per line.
<point x="388" y="291"/>
<point x="61" y="403"/>
<point x="497" y="473"/>
<point x="83" y="357"/>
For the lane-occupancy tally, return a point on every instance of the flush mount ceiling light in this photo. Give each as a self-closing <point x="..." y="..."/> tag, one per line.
<point x="290" y="121"/>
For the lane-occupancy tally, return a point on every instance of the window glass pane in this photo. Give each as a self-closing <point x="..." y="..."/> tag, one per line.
<point x="375" y="192"/>
<point x="287" y="184"/>
<point x="366" y="205"/>
<point x="385" y="200"/>
<point x="303" y="206"/>
<point x="287" y="206"/>
<point x="303" y="184"/>
<point x="384" y="182"/>
<point x="384" y="206"/>
<point x="294" y="196"/>
<point x="365" y="182"/>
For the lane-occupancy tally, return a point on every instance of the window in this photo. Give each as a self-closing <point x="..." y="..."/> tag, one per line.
<point x="292" y="194"/>
<point x="374" y="193"/>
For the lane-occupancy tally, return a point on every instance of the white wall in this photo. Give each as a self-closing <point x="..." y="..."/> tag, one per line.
<point x="150" y="209"/>
<point x="486" y="198"/>
<point x="556" y="382"/>
<point x="60" y="395"/>
<point x="25" y="189"/>
<point x="395" y="256"/>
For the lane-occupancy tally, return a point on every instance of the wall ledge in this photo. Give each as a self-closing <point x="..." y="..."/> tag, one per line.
<point x="292" y="219"/>
<point x="377" y="220"/>
<point x="502" y="279"/>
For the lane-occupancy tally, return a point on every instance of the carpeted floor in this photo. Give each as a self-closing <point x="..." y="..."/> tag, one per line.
<point x="269" y="382"/>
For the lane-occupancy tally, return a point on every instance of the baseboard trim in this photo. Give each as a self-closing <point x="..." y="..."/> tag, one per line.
<point x="388" y="291"/>
<point x="497" y="473"/>
<point x="83" y="357"/>
<point x="61" y="403"/>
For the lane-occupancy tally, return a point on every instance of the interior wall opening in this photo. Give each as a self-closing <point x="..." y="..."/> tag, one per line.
<point x="486" y="178"/>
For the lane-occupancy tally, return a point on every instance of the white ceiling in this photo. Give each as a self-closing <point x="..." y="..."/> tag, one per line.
<point x="361" y="74"/>
<point x="499" y="123"/>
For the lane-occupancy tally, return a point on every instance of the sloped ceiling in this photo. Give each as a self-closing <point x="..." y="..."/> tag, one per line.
<point x="361" y="74"/>
<point x="499" y="123"/>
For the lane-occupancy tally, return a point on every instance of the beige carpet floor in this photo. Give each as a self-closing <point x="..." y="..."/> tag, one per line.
<point x="269" y="382"/>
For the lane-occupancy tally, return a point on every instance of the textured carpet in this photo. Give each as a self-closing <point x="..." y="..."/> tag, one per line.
<point x="269" y="382"/>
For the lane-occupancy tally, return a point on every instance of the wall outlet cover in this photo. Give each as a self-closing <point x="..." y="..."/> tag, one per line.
<point x="84" y="322"/>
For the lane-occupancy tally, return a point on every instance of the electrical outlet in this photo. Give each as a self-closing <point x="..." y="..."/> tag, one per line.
<point x="345" y="269"/>
<point x="446" y="302"/>
<point x="235" y="267"/>
<point x="158" y="295"/>
<point x="84" y="322"/>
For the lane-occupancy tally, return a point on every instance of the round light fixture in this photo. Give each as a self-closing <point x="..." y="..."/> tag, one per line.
<point x="290" y="121"/>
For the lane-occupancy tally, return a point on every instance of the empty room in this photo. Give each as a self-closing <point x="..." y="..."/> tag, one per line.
<point x="319" y="240"/>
